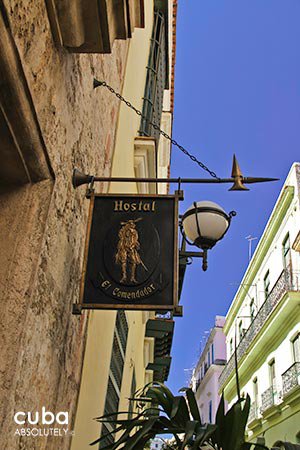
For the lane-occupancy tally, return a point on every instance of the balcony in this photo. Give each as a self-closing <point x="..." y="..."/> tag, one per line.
<point x="267" y="399"/>
<point x="216" y="362"/>
<point x="162" y="331"/>
<point x="286" y="282"/>
<point x="291" y="379"/>
<point x="253" y="417"/>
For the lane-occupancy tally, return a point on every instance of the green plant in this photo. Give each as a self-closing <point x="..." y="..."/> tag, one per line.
<point x="231" y="426"/>
<point x="163" y="413"/>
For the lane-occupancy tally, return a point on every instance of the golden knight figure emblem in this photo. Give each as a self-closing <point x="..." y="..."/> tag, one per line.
<point x="128" y="247"/>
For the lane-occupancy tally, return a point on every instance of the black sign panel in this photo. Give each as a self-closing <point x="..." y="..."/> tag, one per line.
<point x="131" y="255"/>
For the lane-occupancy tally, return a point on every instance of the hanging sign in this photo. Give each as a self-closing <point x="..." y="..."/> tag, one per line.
<point x="131" y="253"/>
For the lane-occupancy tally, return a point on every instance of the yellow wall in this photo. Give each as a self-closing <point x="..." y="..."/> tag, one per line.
<point x="94" y="378"/>
<point x="133" y="91"/>
<point x="101" y="323"/>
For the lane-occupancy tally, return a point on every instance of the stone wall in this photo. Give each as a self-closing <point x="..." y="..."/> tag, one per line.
<point x="42" y="343"/>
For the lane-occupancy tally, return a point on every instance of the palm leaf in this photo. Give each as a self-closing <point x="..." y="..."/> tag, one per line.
<point x="159" y="396"/>
<point x="192" y="403"/>
<point x="203" y="433"/>
<point x="180" y="413"/>
<point x="190" y="428"/>
<point x="230" y="434"/>
<point x="111" y="433"/>
<point x="140" y="434"/>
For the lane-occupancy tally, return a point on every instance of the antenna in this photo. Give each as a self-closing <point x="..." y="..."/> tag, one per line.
<point x="250" y="239"/>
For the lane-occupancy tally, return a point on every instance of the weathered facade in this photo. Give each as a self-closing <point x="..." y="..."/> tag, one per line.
<point x="51" y="120"/>
<point x="146" y="349"/>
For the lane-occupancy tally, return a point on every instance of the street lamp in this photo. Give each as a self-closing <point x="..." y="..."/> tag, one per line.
<point x="203" y="225"/>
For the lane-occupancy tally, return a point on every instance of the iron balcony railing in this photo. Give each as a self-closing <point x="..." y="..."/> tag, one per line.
<point x="291" y="378"/>
<point x="267" y="399"/>
<point x="216" y="362"/>
<point x="253" y="413"/>
<point x="287" y="281"/>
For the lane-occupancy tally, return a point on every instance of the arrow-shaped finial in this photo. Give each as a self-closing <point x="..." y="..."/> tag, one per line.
<point x="237" y="176"/>
<point x="236" y="171"/>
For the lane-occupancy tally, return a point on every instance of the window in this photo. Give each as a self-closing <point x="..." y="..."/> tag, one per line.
<point x="231" y="346"/>
<point x="115" y="375"/>
<point x="252" y="310"/>
<point x="267" y="284"/>
<point x="296" y="348"/>
<point x="205" y="368"/>
<point x="210" y="411"/>
<point x="208" y="358"/>
<point x="255" y="390"/>
<point x="212" y="353"/>
<point x="272" y="379"/>
<point x="272" y="376"/>
<point x="286" y="253"/>
<point x="155" y="79"/>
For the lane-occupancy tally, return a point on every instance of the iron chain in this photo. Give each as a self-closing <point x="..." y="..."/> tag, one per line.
<point x="157" y="128"/>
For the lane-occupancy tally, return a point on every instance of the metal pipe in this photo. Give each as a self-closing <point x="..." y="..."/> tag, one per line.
<point x="80" y="178"/>
<point x="177" y="180"/>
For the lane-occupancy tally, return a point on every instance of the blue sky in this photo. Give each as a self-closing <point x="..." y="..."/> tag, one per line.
<point x="237" y="90"/>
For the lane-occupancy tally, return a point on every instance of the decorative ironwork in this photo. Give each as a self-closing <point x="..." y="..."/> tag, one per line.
<point x="216" y="362"/>
<point x="156" y="127"/>
<point x="253" y="413"/>
<point x="80" y="178"/>
<point x="287" y="281"/>
<point x="267" y="399"/>
<point x="291" y="378"/>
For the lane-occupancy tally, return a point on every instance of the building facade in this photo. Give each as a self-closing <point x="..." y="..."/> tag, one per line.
<point x="264" y="320"/>
<point x="52" y="121"/>
<point x="156" y="444"/>
<point x="205" y="378"/>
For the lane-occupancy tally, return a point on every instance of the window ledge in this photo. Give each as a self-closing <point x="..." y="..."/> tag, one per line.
<point x="145" y="163"/>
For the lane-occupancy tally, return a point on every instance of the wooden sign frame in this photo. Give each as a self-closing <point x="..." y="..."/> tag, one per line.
<point x="116" y="266"/>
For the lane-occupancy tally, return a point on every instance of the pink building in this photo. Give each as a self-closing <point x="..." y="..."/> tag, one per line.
<point x="205" y="378"/>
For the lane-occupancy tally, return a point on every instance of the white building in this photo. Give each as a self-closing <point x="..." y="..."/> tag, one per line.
<point x="264" y="318"/>
<point x="156" y="444"/>
<point x="207" y="371"/>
